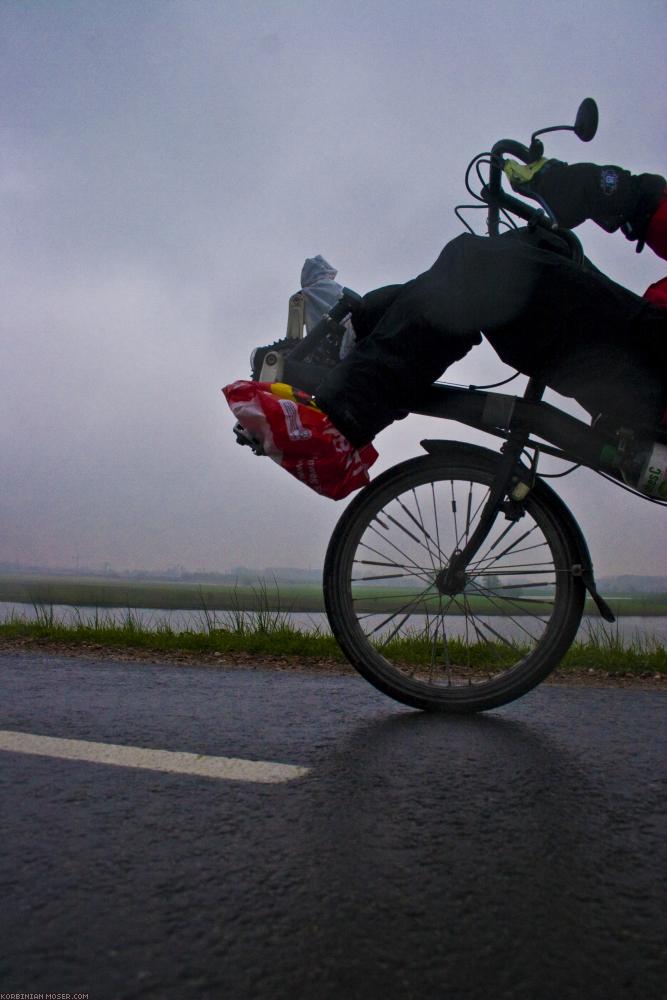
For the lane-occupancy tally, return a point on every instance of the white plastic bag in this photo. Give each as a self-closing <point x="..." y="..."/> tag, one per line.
<point x="321" y="292"/>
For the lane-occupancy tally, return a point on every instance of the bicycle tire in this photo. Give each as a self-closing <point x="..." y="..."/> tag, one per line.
<point x="399" y="531"/>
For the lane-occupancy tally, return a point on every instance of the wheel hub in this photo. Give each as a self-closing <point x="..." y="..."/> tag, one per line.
<point x="452" y="580"/>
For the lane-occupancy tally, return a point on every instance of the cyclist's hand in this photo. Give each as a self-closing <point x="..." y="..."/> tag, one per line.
<point x="610" y="196"/>
<point x="546" y="181"/>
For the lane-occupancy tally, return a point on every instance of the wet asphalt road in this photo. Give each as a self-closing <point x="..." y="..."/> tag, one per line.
<point x="518" y="854"/>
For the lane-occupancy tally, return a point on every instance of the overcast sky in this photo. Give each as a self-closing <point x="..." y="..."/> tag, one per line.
<point x="165" y="168"/>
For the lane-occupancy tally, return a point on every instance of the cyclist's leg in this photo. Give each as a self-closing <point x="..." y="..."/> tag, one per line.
<point x="586" y="335"/>
<point x="433" y="321"/>
<point x="372" y="385"/>
<point x="372" y="308"/>
<point x="410" y="345"/>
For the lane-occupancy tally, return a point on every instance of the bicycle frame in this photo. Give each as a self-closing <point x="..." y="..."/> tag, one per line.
<point x="517" y="417"/>
<point x="513" y="418"/>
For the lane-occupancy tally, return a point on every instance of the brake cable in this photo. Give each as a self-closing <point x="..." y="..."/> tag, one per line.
<point x="496" y="385"/>
<point x="629" y="489"/>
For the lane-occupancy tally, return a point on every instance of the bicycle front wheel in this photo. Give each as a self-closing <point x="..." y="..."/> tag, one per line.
<point x="501" y="635"/>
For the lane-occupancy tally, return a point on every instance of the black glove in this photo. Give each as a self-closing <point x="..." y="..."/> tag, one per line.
<point x="610" y="196"/>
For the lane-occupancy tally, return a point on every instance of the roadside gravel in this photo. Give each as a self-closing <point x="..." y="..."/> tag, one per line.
<point x="245" y="661"/>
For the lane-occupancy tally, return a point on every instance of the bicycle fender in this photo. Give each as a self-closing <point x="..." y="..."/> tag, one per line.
<point x="585" y="570"/>
<point x="584" y="566"/>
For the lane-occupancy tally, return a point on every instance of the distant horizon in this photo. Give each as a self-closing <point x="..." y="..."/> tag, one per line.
<point x="107" y="569"/>
<point x="256" y="573"/>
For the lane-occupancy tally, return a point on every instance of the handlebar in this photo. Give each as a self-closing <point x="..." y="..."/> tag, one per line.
<point x="498" y="200"/>
<point x="514" y="148"/>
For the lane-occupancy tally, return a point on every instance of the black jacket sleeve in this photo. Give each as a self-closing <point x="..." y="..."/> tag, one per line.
<point x="609" y="195"/>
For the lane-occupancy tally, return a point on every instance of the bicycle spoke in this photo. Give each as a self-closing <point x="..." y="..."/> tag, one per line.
<point x="524" y="548"/>
<point x="399" y="611"/>
<point x="510" y="547"/>
<point x="471" y="517"/>
<point x="388" y="565"/>
<point x="410" y="564"/>
<point x="382" y="576"/>
<point x="510" y="617"/>
<point x="515" y="600"/>
<point x="393" y="545"/>
<point x="435" y="517"/>
<point x="420" y="524"/>
<point x="454" y="508"/>
<point x="482" y="627"/>
<point x="485" y="626"/>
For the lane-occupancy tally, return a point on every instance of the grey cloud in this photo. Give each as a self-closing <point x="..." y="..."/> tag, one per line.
<point x="168" y="168"/>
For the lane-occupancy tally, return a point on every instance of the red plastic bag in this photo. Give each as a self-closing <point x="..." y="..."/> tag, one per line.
<point x="299" y="437"/>
<point x="657" y="293"/>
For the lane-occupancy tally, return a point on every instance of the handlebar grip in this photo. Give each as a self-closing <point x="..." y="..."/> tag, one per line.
<point x="514" y="148"/>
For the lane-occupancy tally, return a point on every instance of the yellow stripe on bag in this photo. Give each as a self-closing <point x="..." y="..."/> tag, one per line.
<point x="284" y="391"/>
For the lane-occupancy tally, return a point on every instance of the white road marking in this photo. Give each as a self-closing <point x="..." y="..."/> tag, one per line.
<point x="229" y="768"/>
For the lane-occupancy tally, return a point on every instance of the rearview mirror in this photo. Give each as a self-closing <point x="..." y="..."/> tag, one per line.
<point x="586" y="122"/>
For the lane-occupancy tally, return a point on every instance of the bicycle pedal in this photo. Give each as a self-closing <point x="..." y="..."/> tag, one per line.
<point x="244" y="438"/>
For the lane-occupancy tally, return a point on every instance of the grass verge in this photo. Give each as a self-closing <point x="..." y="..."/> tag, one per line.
<point x="605" y="649"/>
<point x="250" y="632"/>
<point x="269" y="633"/>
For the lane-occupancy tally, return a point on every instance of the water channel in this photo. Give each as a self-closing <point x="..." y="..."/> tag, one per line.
<point x="630" y="628"/>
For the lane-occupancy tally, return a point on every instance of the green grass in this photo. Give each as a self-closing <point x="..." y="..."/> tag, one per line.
<point x="603" y="651"/>
<point x="238" y="631"/>
<point x="102" y="592"/>
<point x="268" y="632"/>
<point x="604" y="645"/>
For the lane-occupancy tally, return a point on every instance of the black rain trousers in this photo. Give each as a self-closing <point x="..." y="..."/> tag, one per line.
<point x="585" y="335"/>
